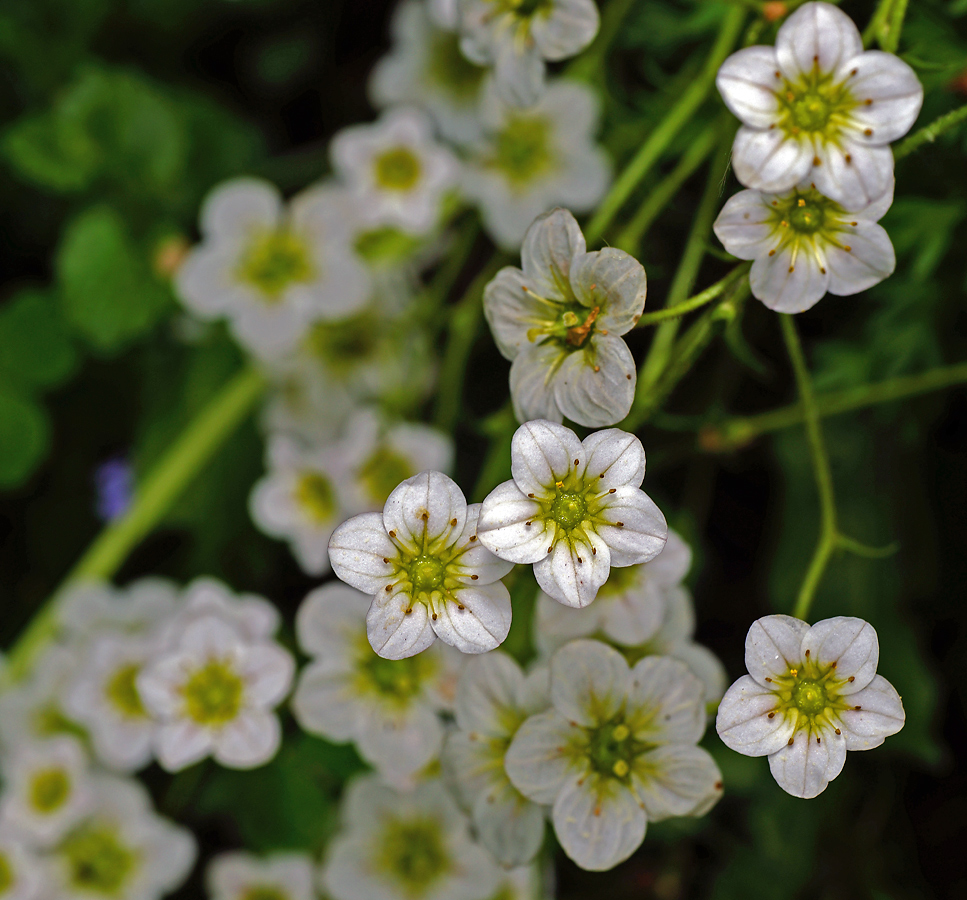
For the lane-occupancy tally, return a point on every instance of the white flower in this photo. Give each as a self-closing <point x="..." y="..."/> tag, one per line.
<point x="396" y="170"/>
<point x="559" y="320"/>
<point x="811" y="694"/>
<point x="271" y="270"/>
<point x="516" y="36"/>
<point x="33" y="709"/>
<point x="414" y="845"/>
<point x="388" y="708"/>
<point x="430" y="575"/>
<point x="122" y="850"/>
<point x="817" y="108"/>
<point x="534" y="159"/>
<point x="21" y="871"/>
<point x="616" y="751"/>
<point x="244" y="876"/>
<point x="249" y="614"/>
<point x="46" y="790"/>
<point x="93" y="607"/>
<point x="213" y="692"/>
<point x="573" y="509"/>
<point x="426" y="68"/>
<point x="493" y="698"/>
<point x="805" y="244"/>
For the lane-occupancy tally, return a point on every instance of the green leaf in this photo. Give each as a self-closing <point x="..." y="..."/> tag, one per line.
<point x="110" y="295"/>
<point x="35" y="345"/>
<point x="24" y="435"/>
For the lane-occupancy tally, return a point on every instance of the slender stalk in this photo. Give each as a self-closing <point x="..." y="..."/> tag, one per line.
<point x="828" y="533"/>
<point x="589" y="63"/>
<point x="152" y="500"/>
<point x="698" y="301"/>
<point x="886" y="25"/>
<point x="683" y="110"/>
<point x="930" y="133"/>
<point x="446" y="275"/>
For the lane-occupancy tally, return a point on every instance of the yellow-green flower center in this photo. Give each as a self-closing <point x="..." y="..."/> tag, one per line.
<point x="450" y="70"/>
<point x="397" y="169"/>
<point x="98" y="861"/>
<point x="264" y="892"/>
<point x="274" y="261"/>
<point x="809" y="697"/>
<point x="49" y="789"/>
<point x="427" y="574"/>
<point x="7" y="877"/>
<point x="316" y="495"/>
<point x="805" y="218"/>
<point x="523" y="150"/>
<point x="815" y="105"/>
<point x="382" y="472"/>
<point x="569" y="509"/>
<point x="414" y="853"/>
<point x="213" y="693"/>
<point x="612" y="750"/>
<point x="395" y="681"/>
<point x="121" y="690"/>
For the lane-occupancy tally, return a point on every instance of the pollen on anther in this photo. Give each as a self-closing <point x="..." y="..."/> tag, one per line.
<point x="620" y="524"/>
<point x="816" y="162"/>
<point x="857" y="708"/>
<point x="838" y="731"/>
<point x="848" y="158"/>
<point x="433" y="617"/>
<point x="772" y="253"/>
<point x="531" y="496"/>
<point x="577" y="462"/>
<point x="388" y="588"/>
<point x="821" y="269"/>
<point x="807" y="653"/>
<point x="772" y="715"/>
<point x="768" y="679"/>
<point x="597" y="369"/>
<point x="474" y="577"/>
<point x="408" y="611"/>
<point x="790" y="742"/>
<point x="385" y="559"/>
<point x="473" y="537"/>
<point x="594" y="551"/>
<point x="453" y="522"/>
<point x="461" y="607"/>
<point x="580" y="561"/>
<point x="851" y="678"/>
<point x="868" y="132"/>
<point x="847" y="247"/>
<point x="792" y="268"/>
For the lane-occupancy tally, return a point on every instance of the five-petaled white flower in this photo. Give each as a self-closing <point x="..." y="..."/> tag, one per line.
<point x="616" y="750"/>
<point x="244" y="876"/>
<point x="805" y="244"/>
<point x="531" y="160"/>
<point x="397" y="172"/>
<point x="573" y="509"/>
<point x="427" y="572"/>
<point x="817" y="108"/>
<point x="387" y="707"/>
<point x="559" y="319"/>
<point x="22" y="870"/>
<point x="493" y="698"/>
<point x="516" y="36"/>
<point x="811" y="694"/>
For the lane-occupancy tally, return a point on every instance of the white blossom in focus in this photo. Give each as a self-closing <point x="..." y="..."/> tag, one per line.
<point x="819" y="109"/>
<point x="616" y="750"/>
<point x="574" y="509"/>
<point x="811" y="694"/>
<point x="531" y="160"/>
<point x="122" y="851"/>
<point x="559" y="319"/>
<point x="271" y="269"/>
<point x="517" y="36"/>
<point x="428" y="574"/>
<point x="493" y="698"/>
<point x="21" y="871"/>
<point x="244" y="876"/>
<point x="397" y="172"/>
<point x="805" y="244"/>
<point x="387" y="707"/>
<point x="213" y="692"/>
<point x="414" y="845"/>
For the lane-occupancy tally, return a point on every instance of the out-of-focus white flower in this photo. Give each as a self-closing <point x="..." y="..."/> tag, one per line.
<point x="532" y="160"/>
<point x="616" y="751"/>
<point x="560" y="319"/>
<point x="32" y="709"/>
<point x="493" y="698"/>
<point x="91" y="608"/>
<point x="271" y="269"/>
<point x="817" y="108"/>
<point x="414" y="845"/>
<point x="46" y="790"/>
<point x="430" y="575"/>
<point x="122" y="850"/>
<point x="426" y="68"/>
<point x="572" y="509"/>
<point x="811" y="694"/>
<point x="387" y="708"/>
<point x="805" y="244"/>
<point x="213" y="692"/>
<point x="21" y="871"/>
<point x="251" y="615"/>
<point x="244" y="876"/>
<point x="516" y="36"/>
<point x="397" y="172"/>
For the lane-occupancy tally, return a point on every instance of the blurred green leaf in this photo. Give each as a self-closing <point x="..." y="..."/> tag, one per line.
<point x="35" y="344"/>
<point x="24" y="435"/>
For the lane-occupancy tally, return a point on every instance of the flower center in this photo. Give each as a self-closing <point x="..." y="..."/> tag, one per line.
<point x="395" y="680"/>
<point x="7" y="878"/>
<point x="427" y="574"/>
<point x="815" y="104"/>
<point x="316" y="495"/>
<point x="264" y="892"/>
<point x="569" y="509"/>
<point x="806" y="216"/>
<point x="527" y="8"/>
<point x="341" y="345"/>
<point x="122" y="692"/>
<point x="382" y="472"/>
<point x="522" y="150"/>
<point x="612" y="750"/>
<point x="450" y="70"/>
<point x="809" y="697"/>
<point x="414" y="851"/>
<point x="274" y="261"/>
<point x="49" y="789"/>
<point x="97" y="860"/>
<point x="213" y="693"/>
<point x="385" y="246"/>
<point x="397" y="169"/>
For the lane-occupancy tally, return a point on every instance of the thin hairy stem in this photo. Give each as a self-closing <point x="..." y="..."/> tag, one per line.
<point x="930" y="133"/>
<point x="886" y="25"/>
<point x="698" y="301"/>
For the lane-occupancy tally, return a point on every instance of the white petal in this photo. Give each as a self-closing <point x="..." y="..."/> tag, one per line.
<point x="509" y="825"/>
<point x="566" y="28"/>
<point x="481" y="625"/>
<point x="745" y="225"/>
<point x="676" y="779"/>
<point x="615" y="457"/>
<point x="531" y="383"/>
<point x="769" y="161"/>
<point x="747" y="82"/>
<point x="476" y="563"/>
<point x="595" y="386"/>
<point x="357" y="549"/>
<point x="852" y="174"/>
<point x="669" y="700"/>
<point x="613" y="281"/>
<point x="773" y="646"/>
<point x="880" y="715"/>
<point x="743" y="721"/>
<point x="542" y="453"/>
<point x="643" y="531"/>
<point x="393" y="633"/>
<point x="236" y="208"/>
<point x="599" y="822"/>
<point x="790" y="285"/>
<point x="326" y="617"/>
<point x="427" y="510"/>
<point x="519" y="73"/>
<point x="893" y="87"/>
<point x="326" y="703"/>
<point x="268" y="671"/>
<point x="869" y="260"/>
<point x="551" y="243"/>
<point x="502" y="525"/>
<point x="511" y="309"/>
<point x="250" y="740"/>
<point x="400" y="745"/>
<point x="589" y="682"/>
<point x="488" y="686"/>
<point x="816" y="34"/>
<point x="671" y="566"/>
<point x="848" y="642"/>
<point x="704" y="665"/>
<point x="536" y="762"/>
<point x="179" y="744"/>
<point x="806" y="766"/>
<point x="633" y="617"/>
<point x="575" y="570"/>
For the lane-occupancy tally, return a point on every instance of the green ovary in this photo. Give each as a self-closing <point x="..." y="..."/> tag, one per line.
<point x="427" y="574"/>
<point x="274" y="261"/>
<point x="809" y="697"/>
<point x="7" y="877"/>
<point x="448" y="68"/>
<point x="569" y="510"/>
<point x="49" y="789"/>
<point x="397" y="169"/>
<point x="612" y="750"/>
<point x="815" y="105"/>
<point x="213" y="694"/>
<point x="382" y="472"/>
<point x="98" y="862"/>
<point x="414" y="852"/>
<point x="523" y="149"/>
<point x="315" y="494"/>
<point x="122" y="692"/>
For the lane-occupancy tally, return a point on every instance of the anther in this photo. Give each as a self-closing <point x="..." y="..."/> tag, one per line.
<point x="576" y="462"/>
<point x="768" y="679"/>
<point x="392" y="534"/>
<point x="580" y="561"/>
<point x="852" y="678"/>
<point x="854" y="224"/>
<point x="821" y="269"/>
<point x="868" y="132"/>
<point x="461" y="607"/>
<point x="847" y="247"/>
<point x="718" y="785"/>
<point x="772" y="253"/>
<point x="408" y="610"/>
<point x="778" y="74"/>
<point x="807" y="653"/>
<point x="801" y="202"/>
<point x="425" y="517"/>
<point x="816" y="58"/>
<point x="849" y="159"/>
<point x="869" y="101"/>
<point x="772" y="715"/>
<point x="388" y="588"/>
<point x="857" y="708"/>
<point x="792" y="268"/>
<point x="531" y="496"/>
<point x="628" y="377"/>
<point x="597" y="369"/>
<point x="434" y="617"/>
<point x="833" y="665"/>
<point x="473" y="537"/>
<point x="838" y="731"/>
<point x="453" y="522"/>
<point x="818" y="741"/>
<point x="550" y="549"/>
<point x="528" y="524"/>
<point x="620" y="524"/>
<point x="385" y="559"/>
<point x="775" y="202"/>
<point x="594" y="551"/>
<point x="854" y="71"/>
<point x="612" y="490"/>
<point x="474" y="577"/>
<point x="789" y="744"/>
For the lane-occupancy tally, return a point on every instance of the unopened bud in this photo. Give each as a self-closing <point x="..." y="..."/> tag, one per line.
<point x="169" y="254"/>
<point x="774" y="10"/>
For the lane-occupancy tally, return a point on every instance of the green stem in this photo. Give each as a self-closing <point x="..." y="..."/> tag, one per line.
<point x="443" y="280"/>
<point x="152" y="500"/>
<point x="828" y="533"/>
<point x="698" y="301"/>
<point x="588" y="64"/>
<point x="683" y="110"/>
<point x="931" y="132"/>
<point x="886" y="25"/>
<point x="496" y="464"/>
